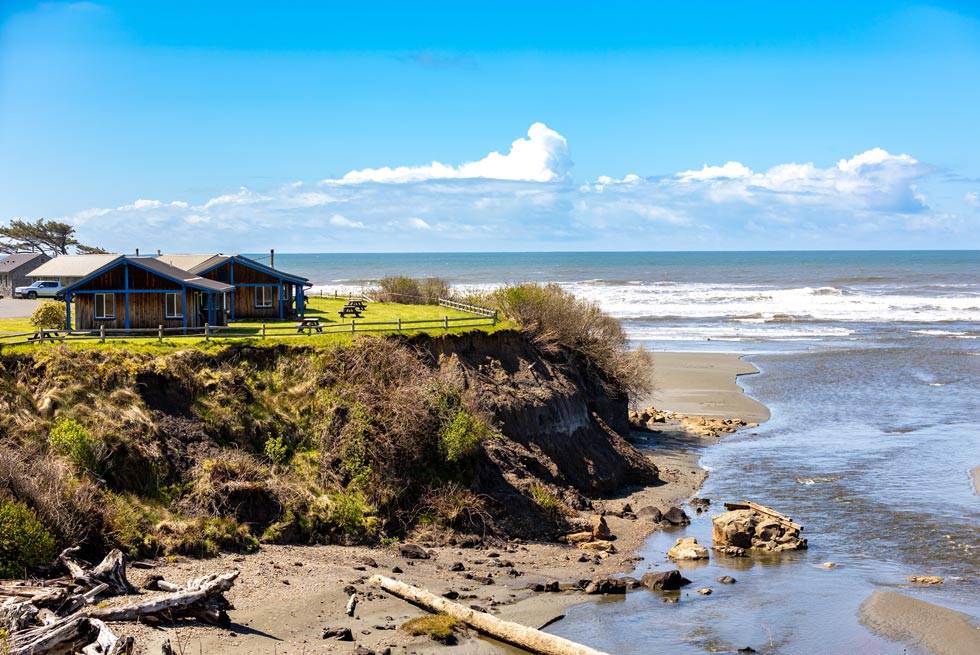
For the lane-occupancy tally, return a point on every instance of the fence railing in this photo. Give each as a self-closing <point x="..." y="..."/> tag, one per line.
<point x="483" y="316"/>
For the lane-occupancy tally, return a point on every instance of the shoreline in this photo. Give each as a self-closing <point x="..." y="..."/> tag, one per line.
<point x="287" y="595"/>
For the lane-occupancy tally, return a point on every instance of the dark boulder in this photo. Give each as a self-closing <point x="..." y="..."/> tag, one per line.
<point x="606" y="586"/>
<point x="650" y="512"/>
<point x="676" y="516"/>
<point x="412" y="551"/>
<point x="664" y="580"/>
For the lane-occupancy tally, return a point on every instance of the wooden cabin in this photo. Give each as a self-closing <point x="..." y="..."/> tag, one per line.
<point x="142" y="293"/>
<point x="258" y="291"/>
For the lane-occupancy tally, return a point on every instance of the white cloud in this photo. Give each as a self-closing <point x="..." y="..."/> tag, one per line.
<point x="540" y="157"/>
<point x="342" y="221"/>
<point x="524" y="199"/>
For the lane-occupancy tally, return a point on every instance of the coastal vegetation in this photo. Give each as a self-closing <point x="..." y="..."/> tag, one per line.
<point x="192" y="451"/>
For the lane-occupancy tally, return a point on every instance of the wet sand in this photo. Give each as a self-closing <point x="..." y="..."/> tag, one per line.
<point x="921" y="624"/>
<point x="703" y="384"/>
<point x="287" y="595"/>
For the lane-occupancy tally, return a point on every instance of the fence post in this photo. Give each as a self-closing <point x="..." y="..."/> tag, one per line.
<point x="160" y="333"/>
<point x="399" y="323"/>
<point x="102" y="333"/>
<point x="494" y="317"/>
<point x="263" y="329"/>
<point x="207" y="332"/>
<point x="445" y="322"/>
<point x="352" y="325"/>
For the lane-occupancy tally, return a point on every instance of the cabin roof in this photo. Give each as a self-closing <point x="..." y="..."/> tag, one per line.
<point x="195" y="263"/>
<point x="72" y="265"/>
<point x="163" y="269"/>
<point x="15" y="260"/>
<point x="155" y="265"/>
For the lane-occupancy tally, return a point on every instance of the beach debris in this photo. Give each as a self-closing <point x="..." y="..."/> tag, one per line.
<point x="705" y="591"/>
<point x="69" y="614"/>
<point x="664" y="580"/>
<point x="727" y="579"/>
<point x="351" y="605"/>
<point x="413" y="551"/>
<point x="925" y="579"/>
<point x="829" y="565"/>
<point x="525" y="637"/>
<point x="753" y="526"/>
<point x="687" y="548"/>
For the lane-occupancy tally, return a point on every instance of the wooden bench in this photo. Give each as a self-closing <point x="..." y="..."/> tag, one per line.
<point x="309" y="325"/>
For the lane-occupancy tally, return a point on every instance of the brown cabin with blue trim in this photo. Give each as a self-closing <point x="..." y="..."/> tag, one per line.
<point x="143" y="293"/>
<point x="258" y="291"/>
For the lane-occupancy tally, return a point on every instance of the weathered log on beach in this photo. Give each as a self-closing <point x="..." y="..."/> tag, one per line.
<point x="516" y="634"/>
<point x="191" y="599"/>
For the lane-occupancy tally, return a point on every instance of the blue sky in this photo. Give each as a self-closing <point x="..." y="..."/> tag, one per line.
<point x="318" y="127"/>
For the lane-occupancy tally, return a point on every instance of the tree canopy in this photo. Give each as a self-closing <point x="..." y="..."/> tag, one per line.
<point x="50" y="237"/>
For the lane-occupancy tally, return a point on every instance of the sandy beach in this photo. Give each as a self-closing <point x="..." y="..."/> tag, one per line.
<point x="921" y="624"/>
<point x="287" y="595"/>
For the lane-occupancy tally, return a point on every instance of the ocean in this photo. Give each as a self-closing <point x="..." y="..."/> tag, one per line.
<point x="870" y="365"/>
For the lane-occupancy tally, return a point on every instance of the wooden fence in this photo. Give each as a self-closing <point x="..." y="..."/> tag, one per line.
<point x="483" y="316"/>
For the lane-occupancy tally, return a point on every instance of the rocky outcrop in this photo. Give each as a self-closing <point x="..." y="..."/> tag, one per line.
<point x="664" y="580"/>
<point x="754" y="527"/>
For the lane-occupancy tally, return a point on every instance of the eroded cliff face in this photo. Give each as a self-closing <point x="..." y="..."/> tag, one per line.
<point x="160" y="419"/>
<point x="565" y="426"/>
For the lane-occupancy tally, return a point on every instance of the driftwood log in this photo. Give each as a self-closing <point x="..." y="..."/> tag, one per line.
<point x="61" y="616"/>
<point x="516" y="634"/>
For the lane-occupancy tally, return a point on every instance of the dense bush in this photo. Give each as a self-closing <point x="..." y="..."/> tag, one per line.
<point x="68" y="437"/>
<point x="417" y="291"/>
<point x="49" y="316"/>
<point x="24" y="542"/>
<point x="554" y="316"/>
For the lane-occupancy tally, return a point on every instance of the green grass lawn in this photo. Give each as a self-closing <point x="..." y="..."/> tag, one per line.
<point x="336" y="329"/>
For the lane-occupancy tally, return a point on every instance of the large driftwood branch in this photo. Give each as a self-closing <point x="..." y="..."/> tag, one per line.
<point x="194" y="597"/>
<point x="527" y="638"/>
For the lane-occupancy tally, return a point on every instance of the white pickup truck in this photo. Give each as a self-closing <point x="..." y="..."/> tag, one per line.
<point x="40" y="289"/>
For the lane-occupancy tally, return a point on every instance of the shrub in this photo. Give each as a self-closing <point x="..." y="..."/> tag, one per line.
<point x="462" y="435"/>
<point x="545" y="499"/>
<point x="49" y="316"/>
<point x="416" y="291"/>
<point x="70" y="507"/>
<point x="440" y="627"/>
<point x="276" y="450"/>
<point x="455" y="506"/>
<point x="351" y="513"/>
<point x="204" y="537"/>
<point x="555" y="317"/>
<point x="68" y="437"/>
<point x="24" y="542"/>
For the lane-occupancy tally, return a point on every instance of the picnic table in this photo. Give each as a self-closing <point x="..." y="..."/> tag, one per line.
<point x="352" y="308"/>
<point x="49" y="335"/>
<point x="309" y="325"/>
<point x="359" y="304"/>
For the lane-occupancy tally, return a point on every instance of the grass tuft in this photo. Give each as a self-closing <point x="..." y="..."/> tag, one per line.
<point x="440" y="627"/>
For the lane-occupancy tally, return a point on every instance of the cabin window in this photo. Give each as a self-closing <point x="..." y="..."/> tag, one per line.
<point x="105" y="306"/>
<point x="174" y="308"/>
<point x="264" y="296"/>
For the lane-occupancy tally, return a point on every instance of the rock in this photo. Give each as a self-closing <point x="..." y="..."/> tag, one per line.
<point x="457" y="566"/>
<point x="606" y="586"/>
<point x="750" y="529"/>
<point x="361" y="650"/>
<point x="726" y="579"/>
<point x="664" y="580"/>
<point x="676" y="516"/>
<point x="687" y="548"/>
<point x="552" y="586"/>
<point x="599" y="528"/>
<point x="338" y="633"/>
<point x="925" y="579"/>
<point x="605" y="546"/>
<point x="747" y="649"/>
<point x="700" y="502"/>
<point x="412" y="551"/>
<point x="367" y="561"/>
<point x="705" y="591"/>
<point x="451" y="595"/>
<point x="396" y="569"/>
<point x="829" y="565"/>
<point x="578" y="537"/>
<point x="650" y="512"/>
